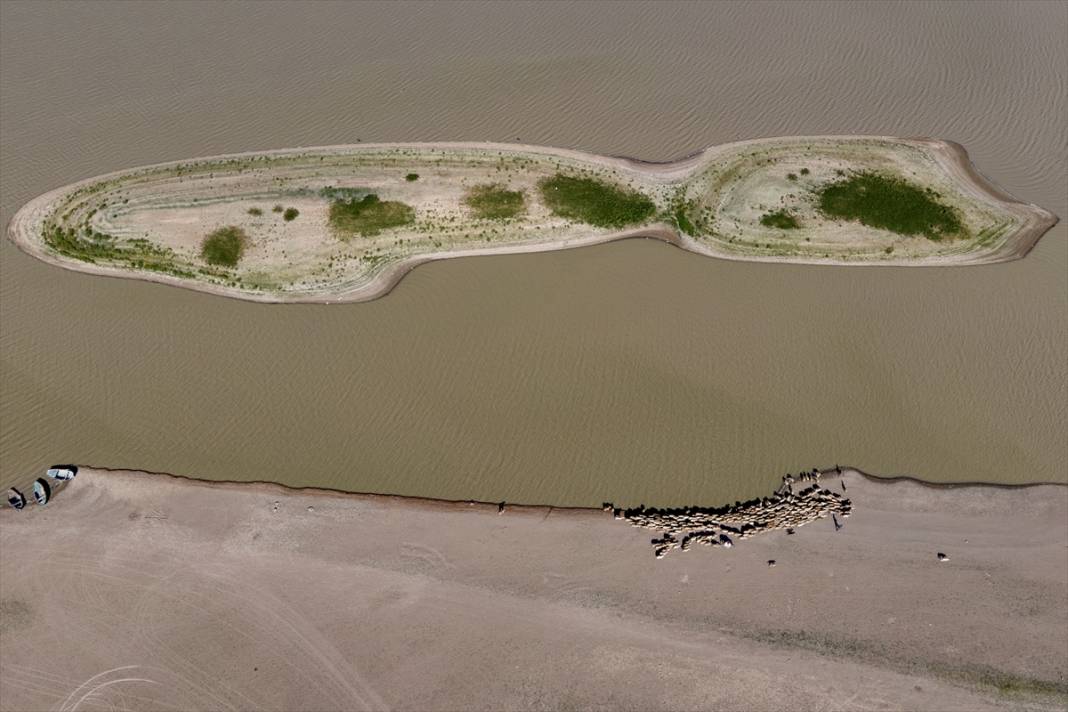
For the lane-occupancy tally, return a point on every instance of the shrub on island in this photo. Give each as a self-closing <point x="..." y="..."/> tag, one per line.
<point x="495" y="202"/>
<point x="594" y="201"/>
<point x="890" y="203"/>
<point x="224" y="247"/>
<point x="368" y="216"/>
<point x="780" y="219"/>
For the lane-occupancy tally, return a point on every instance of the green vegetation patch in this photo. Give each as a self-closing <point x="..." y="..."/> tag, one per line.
<point x="889" y="203"/>
<point x="683" y="221"/>
<point x="290" y="214"/>
<point x="780" y="219"/>
<point x="224" y="247"/>
<point x="368" y="216"/>
<point x="255" y="212"/>
<point x="411" y="177"/>
<point x="594" y="201"/>
<point x="495" y="202"/>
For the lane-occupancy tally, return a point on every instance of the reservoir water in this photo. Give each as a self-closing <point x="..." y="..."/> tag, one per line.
<point x="632" y="372"/>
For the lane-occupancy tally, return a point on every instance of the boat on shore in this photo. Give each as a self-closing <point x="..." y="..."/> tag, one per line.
<point x="16" y="498"/>
<point x="41" y="491"/>
<point x="62" y="472"/>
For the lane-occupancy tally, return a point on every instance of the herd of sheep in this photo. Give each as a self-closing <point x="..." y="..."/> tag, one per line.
<point x="800" y="500"/>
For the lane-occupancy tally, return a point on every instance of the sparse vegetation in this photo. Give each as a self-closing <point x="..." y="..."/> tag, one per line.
<point x="495" y="202"/>
<point x="277" y="209"/>
<point x="137" y="253"/>
<point x="368" y="216"/>
<point x="804" y="171"/>
<point x="332" y="193"/>
<point x="889" y="203"/>
<point x="255" y="212"/>
<point x="411" y="177"/>
<point x="791" y="176"/>
<point x="594" y="201"/>
<point x="780" y="219"/>
<point x="224" y="247"/>
<point x="290" y="214"/>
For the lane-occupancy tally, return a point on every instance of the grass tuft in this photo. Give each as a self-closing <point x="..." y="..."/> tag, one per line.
<point x="368" y="216"/>
<point x="495" y="202"/>
<point x="889" y="203"/>
<point x="224" y="247"/>
<point x="594" y="201"/>
<point x="255" y="212"/>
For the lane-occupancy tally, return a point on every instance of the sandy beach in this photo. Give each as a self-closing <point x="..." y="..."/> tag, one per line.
<point x="134" y="591"/>
<point x="174" y="205"/>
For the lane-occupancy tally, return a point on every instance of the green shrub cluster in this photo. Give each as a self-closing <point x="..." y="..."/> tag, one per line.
<point x="290" y="214"/>
<point x="224" y="247"/>
<point x="889" y="203"/>
<point x="368" y="215"/>
<point x="594" y="201"/>
<point x="780" y="219"/>
<point x="495" y="202"/>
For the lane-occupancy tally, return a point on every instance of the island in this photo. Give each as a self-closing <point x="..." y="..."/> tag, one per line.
<point x="345" y="223"/>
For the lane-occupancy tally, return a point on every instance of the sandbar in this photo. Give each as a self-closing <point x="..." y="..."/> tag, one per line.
<point x="710" y="203"/>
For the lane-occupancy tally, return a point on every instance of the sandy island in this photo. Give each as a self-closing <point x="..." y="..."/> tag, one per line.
<point x="134" y="591"/>
<point x="149" y="223"/>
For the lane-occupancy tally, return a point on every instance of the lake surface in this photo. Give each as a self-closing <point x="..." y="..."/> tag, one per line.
<point x="631" y="372"/>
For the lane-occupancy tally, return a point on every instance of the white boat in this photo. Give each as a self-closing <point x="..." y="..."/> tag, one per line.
<point x="41" y="491"/>
<point x="15" y="498"/>
<point x="62" y="472"/>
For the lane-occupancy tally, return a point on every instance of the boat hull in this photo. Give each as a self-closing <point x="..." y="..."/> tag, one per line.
<point x="41" y="492"/>
<point x="62" y="472"/>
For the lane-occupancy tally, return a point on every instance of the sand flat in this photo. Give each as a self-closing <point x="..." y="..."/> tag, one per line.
<point x="149" y="592"/>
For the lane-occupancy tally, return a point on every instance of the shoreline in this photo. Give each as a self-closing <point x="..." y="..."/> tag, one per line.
<point x="951" y="157"/>
<point x="441" y="504"/>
